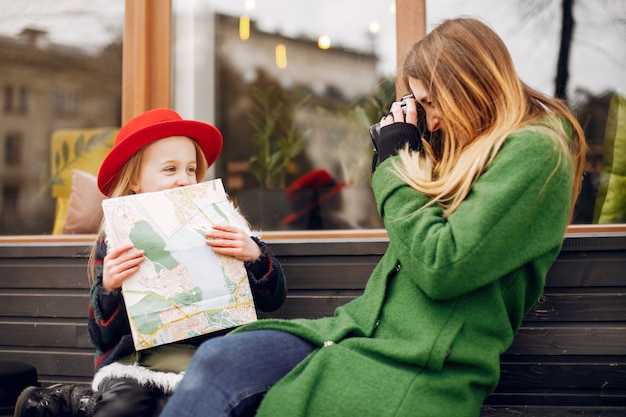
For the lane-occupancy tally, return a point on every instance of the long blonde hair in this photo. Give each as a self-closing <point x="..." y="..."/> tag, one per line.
<point x="129" y="174"/>
<point x="472" y="81"/>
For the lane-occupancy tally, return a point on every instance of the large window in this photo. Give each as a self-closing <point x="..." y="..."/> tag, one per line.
<point x="13" y="149"/>
<point x="61" y="68"/>
<point x="293" y="86"/>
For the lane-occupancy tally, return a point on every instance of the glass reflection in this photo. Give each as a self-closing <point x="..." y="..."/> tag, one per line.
<point x="296" y="85"/>
<point x="61" y="68"/>
<point x="293" y="102"/>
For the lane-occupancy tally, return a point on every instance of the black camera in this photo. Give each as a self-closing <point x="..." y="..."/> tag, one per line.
<point x="421" y="120"/>
<point x="415" y="143"/>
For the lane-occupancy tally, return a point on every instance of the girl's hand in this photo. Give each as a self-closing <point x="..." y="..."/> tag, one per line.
<point x="119" y="264"/>
<point x="226" y="239"/>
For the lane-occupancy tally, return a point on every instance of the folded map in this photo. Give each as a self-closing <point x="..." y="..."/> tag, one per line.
<point x="183" y="289"/>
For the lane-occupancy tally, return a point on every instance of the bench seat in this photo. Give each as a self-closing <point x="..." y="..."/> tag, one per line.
<point x="568" y="359"/>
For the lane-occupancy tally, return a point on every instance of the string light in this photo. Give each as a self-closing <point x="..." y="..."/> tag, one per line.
<point x="244" y="27"/>
<point x="374" y="27"/>
<point x="281" y="56"/>
<point x="323" y="42"/>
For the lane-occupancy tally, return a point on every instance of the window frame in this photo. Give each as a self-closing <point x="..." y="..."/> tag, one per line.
<point x="146" y="84"/>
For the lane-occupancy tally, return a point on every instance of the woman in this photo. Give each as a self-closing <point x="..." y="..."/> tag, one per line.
<point x="475" y="218"/>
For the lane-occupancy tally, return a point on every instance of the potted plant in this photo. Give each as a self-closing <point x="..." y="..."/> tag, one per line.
<point x="277" y="139"/>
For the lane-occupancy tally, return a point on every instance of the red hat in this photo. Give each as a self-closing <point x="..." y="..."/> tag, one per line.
<point x="149" y="127"/>
<point x="318" y="183"/>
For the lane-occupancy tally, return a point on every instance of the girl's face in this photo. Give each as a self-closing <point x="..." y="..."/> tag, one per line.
<point x="422" y="96"/>
<point x="167" y="163"/>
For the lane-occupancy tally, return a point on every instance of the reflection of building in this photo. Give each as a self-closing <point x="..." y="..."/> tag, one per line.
<point x="45" y="87"/>
<point x="334" y="78"/>
<point x="335" y="71"/>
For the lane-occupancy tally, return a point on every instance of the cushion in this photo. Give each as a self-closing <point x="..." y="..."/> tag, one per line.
<point x="60" y="212"/>
<point x="84" y="209"/>
<point x="81" y="149"/>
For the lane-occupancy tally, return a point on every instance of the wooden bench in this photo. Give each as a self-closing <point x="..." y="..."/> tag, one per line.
<point x="568" y="359"/>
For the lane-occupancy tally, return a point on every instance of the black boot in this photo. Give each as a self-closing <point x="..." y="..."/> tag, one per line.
<point x="56" y="401"/>
<point x="83" y="401"/>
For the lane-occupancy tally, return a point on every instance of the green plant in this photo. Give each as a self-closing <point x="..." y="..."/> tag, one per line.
<point x="277" y="138"/>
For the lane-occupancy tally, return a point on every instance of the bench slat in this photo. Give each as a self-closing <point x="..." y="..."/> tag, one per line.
<point x="593" y="373"/>
<point x="52" y="335"/>
<point x="554" y="411"/>
<point x="570" y="340"/>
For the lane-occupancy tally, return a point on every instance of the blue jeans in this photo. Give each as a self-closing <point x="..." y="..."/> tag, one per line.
<point x="229" y="375"/>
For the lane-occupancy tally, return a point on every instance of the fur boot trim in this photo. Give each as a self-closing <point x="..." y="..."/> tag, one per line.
<point x="165" y="381"/>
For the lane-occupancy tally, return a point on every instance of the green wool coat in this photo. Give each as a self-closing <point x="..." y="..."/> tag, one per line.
<point x="445" y="300"/>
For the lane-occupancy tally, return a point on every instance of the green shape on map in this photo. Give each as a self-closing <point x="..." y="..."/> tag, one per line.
<point x="187" y="298"/>
<point x="222" y="318"/>
<point x="145" y="237"/>
<point x="146" y="314"/>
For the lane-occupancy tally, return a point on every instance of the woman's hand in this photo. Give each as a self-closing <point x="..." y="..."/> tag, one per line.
<point x="397" y="130"/>
<point x="396" y="114"/>
<point x="119" y="264"/>
<point x="226" y="239"/>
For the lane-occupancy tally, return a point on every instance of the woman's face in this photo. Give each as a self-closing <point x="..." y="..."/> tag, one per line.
<point x="167" y="163"/>
<point x="422" y="96"/>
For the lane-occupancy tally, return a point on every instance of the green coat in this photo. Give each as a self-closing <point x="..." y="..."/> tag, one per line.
<point x="445" y="300"/>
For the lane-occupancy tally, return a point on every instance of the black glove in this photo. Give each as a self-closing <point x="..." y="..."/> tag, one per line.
<point x="394" y="137"/>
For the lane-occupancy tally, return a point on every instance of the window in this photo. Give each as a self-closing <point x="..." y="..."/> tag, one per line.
<point x="293" y="101"/>
<point x="66" y="76"/>
<point x="13" y="149"/>
<point x="197" y="93"/>
<point x="320" y="81"/>
<point x="7" y="91"/>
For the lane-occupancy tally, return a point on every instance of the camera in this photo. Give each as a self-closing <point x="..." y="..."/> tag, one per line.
<point x="421" y="120"/>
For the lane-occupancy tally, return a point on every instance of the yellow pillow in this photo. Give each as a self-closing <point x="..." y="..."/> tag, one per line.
<point x="81" y="149"/>
<point x="60" y="212"/>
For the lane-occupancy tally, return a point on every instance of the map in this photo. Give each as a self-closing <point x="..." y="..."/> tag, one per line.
<point x="182" y="289"/>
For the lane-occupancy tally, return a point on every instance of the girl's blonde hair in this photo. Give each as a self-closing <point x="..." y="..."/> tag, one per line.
<point x="129" y="174"/>
<point x="472" y="81"/>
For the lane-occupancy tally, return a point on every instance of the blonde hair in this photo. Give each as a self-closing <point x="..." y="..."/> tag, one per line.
<point x="130" y="174"/>
<point x="472" y="81"/>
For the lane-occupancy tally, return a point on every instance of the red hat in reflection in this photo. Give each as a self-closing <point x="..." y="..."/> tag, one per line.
<point x="309" y="191"/>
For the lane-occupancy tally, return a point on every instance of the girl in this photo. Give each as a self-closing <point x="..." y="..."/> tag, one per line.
<point x="155" y="151"/>
<point x="475" y="218"/>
